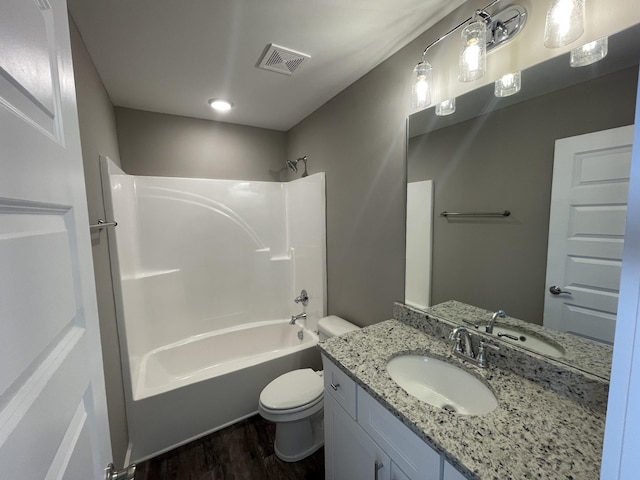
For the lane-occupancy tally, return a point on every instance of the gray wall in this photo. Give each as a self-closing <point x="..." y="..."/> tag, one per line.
<point x="176" y="146"/>
<point x="358" y="138"/>
<point x="504" y="161"/>
<point x="98" y="137"/>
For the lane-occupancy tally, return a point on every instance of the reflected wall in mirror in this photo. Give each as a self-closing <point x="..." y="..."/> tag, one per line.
<point x="498" y="154"/>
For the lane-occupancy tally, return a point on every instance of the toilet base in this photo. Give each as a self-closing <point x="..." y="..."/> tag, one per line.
<point x="297" y="440"/>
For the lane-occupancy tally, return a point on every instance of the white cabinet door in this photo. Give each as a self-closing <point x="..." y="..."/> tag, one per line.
<point x="349" y="452"/>
<point x="53" y="421"/>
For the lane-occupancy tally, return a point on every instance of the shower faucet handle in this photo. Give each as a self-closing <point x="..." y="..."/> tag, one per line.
<point x="303" y="298"/>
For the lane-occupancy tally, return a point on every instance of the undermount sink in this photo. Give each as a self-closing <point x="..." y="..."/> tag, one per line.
<point x="529" y="340"/>
<point x="441" y="384"/>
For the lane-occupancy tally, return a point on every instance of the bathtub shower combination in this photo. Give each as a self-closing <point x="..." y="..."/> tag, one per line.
<point x="205" y="275"/>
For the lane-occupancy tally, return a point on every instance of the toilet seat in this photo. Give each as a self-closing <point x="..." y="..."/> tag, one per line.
<point x="292" y="392"/>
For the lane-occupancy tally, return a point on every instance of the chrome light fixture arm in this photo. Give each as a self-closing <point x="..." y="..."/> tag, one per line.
<point x="482" y="32"/>
<point x="478" y="13"/>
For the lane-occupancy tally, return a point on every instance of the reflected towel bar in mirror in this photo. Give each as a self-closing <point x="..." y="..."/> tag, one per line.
<point x="102" y="224"/>
<point x="504" y="213"/>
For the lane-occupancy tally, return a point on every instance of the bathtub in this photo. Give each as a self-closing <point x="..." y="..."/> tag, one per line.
<point x="192" y="296"/>
<point x="204" y="383"/>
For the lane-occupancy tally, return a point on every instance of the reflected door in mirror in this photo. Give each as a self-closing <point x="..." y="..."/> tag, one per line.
<point x="586" y="232"/>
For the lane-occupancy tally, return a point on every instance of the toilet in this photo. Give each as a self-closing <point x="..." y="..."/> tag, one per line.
<point x="294" y="402"/>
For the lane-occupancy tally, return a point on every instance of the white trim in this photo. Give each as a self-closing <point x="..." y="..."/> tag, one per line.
<point x="620" y="458"/>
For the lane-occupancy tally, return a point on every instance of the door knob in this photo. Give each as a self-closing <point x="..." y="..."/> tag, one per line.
<point x="555" y="290"/>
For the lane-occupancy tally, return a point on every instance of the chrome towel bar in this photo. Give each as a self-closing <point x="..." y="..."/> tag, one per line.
<point x="102" y="224"/>
<point x="504" y="213"/>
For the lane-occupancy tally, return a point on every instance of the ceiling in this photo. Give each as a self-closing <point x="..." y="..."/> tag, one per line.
<point x="171" y="56"/>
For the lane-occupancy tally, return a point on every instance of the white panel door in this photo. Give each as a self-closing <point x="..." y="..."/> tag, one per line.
<point x="586" y="232"/>
<point x="53" y="421"/>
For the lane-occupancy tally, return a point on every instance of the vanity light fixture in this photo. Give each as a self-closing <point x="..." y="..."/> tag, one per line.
<point x="421" y="94"/>
<point x="589" y="53"/>
<point x="481" y="33"/>
<point x="473" y="56"/>
<point x="446" y="108"/>
<point x="220" y="105"/>
<point x="564" y="24"/>
<point x="508" y="84"/>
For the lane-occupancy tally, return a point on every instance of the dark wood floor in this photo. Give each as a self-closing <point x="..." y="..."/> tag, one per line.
<point x="241" y="451"/>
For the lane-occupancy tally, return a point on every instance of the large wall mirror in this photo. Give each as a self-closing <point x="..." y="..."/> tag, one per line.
<point x="494" y="155"/>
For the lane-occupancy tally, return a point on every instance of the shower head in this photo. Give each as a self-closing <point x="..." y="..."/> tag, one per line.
<point x="293" y="164"/>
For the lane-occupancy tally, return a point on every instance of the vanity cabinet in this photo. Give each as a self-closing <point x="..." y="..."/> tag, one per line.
<point x="349" y="452"/>
<point x="363" y="440"/>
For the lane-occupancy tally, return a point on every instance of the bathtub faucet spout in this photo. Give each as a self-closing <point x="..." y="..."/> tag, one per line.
<point x="302" y="316"/>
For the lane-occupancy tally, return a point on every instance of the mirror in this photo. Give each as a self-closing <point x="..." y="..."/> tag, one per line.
<point x="496" y="154"/>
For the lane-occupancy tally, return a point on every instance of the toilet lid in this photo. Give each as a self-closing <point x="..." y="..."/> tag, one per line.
<point x="293" y="389"/>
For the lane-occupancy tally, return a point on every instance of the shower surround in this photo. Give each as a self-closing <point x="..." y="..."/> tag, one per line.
<point x="205" y="273"/>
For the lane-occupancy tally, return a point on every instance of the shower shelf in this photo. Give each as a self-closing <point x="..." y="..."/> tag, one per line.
<point x="279" y="258"/>
<point x="149" y="274"/>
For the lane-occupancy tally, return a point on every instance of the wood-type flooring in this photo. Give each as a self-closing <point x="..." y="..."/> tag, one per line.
<point x="243" y="451"/>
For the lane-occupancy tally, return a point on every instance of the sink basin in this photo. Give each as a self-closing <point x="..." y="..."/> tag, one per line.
<point x="530" y="340"/>
<point x="441" y="384"/>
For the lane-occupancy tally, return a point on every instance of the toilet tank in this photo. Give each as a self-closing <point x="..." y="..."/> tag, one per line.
<point x="332" y="326"/>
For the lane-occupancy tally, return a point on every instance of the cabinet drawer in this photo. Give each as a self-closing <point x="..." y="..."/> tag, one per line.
<point x="340" y="386"/>
<point x="414" y="457"/>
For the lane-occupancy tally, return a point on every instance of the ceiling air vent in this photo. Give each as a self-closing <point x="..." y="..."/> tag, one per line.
<point x="282" y="60"/>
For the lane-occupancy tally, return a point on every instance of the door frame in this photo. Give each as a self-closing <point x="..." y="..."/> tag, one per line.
<point x="622" y="429"/>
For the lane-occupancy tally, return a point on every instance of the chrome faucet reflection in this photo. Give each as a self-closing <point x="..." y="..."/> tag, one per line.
<point x="492" y="322"/>
<point x="300" y="316"/>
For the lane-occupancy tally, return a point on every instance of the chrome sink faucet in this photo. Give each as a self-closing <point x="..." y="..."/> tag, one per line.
<point x="463" y="348"/>
<point x="492" y="322"/>
<point x="462" y="342"/>
<point x="300" y="316"/>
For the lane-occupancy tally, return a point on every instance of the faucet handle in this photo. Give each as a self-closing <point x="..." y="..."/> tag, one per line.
<point x="469" y="322"/>
<point x="482" y="356"/>
<point x="302" y="298"/>
<point x="484" y="344"/>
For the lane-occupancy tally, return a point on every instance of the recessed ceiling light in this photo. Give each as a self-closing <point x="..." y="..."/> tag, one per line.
<point x="220" y="104"/>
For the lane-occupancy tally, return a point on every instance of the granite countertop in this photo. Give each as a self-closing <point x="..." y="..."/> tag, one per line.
<point x="581" y="353"/>
<point x="533" y="433"/>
